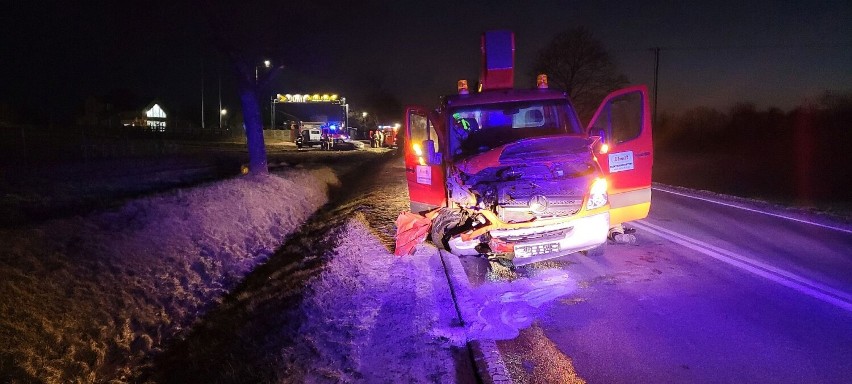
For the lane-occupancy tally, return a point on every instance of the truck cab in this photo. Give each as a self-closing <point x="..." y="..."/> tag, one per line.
<point x="309" y="134"/>
<point x="320" y="133"/>
<point x="513" y="175"/>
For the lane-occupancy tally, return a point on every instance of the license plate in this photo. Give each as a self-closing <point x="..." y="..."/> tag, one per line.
<point x="535" y="250"/>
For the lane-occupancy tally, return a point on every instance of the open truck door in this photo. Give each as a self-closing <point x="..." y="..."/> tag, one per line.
<point x="623" y="121"/>
<point x="423" y="161"/>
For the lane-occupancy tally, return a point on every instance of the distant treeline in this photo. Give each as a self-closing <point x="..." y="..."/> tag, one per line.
<point x="804" y="154"/>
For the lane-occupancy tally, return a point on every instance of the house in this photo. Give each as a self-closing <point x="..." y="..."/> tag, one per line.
<point x="153" y="117"/>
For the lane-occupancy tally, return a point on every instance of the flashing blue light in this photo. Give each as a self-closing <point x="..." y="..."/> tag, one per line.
<point x="333" y="127"/>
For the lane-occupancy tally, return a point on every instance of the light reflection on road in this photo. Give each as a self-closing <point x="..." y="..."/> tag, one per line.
<point x="504" y="308"/>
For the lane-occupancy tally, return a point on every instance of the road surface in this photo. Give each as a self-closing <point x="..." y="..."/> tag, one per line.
<point x="711" y="292"/>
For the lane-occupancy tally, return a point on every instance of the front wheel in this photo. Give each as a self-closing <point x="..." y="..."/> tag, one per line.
<point x="446" y="220"/>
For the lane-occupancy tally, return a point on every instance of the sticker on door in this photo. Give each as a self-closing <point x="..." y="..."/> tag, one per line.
<point x="424" y="174"/>
<point x="621" y="161"/>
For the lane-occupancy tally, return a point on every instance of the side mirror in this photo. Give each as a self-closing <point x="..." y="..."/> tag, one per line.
<point x="432" y="157"/>
<point x="600" y="146"/>
<point x="600" y="133"/>
<point x="597" y="144"/>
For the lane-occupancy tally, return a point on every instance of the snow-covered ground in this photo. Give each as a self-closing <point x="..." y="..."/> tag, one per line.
<point x="130" y="293"/>
<point x="372" y="317"/>
<point x="91" y="298"/>
<point x="100" y="297"/>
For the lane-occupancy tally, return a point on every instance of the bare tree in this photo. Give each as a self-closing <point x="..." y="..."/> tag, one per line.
<point x="578" y="63"/>
<point x="248" y="84"/>
<point x="227" y="35"/>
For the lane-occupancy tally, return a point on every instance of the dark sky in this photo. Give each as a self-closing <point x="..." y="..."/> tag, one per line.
<point x="714" y="52"/>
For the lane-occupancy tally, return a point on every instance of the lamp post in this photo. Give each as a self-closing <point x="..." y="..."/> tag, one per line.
<point x="266" y="64"/>
<point x="222" y="114"/>
<point x="272" y="112"/>
<point x="346" y="115"/>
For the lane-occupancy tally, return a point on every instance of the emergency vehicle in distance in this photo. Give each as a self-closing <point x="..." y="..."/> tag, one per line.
<point x="389" y="134"/>
<point x="511" y="173"/>
<point x="327" y="136"/>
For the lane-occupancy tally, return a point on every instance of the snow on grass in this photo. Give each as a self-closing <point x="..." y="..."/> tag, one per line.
<point x="90" y="298"/>
<point x="372" y="317"/>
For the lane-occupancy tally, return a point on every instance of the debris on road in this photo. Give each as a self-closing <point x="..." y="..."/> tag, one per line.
<point x="412" y="229"/>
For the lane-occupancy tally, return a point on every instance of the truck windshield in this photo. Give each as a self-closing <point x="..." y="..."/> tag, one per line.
<point x="476" y="129"/>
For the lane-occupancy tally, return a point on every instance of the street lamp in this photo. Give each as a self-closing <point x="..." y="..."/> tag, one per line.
<point x="222" y="114"/>
<point x="266" y="63"/>
<point x="345" y="112"/>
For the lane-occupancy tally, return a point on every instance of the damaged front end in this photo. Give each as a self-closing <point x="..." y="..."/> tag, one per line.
<point x="526" y="201"/>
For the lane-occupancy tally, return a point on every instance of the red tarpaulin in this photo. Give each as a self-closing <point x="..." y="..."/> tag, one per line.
<point x="411" y="229"/>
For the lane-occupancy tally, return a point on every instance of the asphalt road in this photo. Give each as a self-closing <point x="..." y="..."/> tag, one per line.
<point x="710" y="293"/>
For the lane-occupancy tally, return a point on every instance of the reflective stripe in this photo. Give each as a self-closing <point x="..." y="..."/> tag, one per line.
<point x="629" y="213"/>
<point x="625" y="199"/>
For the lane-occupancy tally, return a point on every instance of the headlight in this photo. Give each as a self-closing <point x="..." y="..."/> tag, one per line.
<point x="597" y="194"/>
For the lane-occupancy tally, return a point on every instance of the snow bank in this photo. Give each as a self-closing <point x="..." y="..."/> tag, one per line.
<point x="372" y="317"/>
<point x="89" y="298"/>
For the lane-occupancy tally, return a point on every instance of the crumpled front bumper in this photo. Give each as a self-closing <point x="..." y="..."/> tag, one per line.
<point x="539" y="243"/>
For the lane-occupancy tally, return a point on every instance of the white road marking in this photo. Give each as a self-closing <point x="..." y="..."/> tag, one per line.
<point x="752" y="210"/>
<point x="809" y="287"/>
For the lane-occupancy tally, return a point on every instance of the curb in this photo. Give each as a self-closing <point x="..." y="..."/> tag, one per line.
<point x="490" y="367"/>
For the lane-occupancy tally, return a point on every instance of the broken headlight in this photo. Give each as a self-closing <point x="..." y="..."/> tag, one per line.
<point x="597" y="194"/>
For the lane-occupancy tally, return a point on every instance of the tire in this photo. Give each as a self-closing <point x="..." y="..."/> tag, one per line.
<point x="446" y="220"/>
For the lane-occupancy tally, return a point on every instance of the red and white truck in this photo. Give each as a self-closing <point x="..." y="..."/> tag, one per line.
<point x="511" y="174"/>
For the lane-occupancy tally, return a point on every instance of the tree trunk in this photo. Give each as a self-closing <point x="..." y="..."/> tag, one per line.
<point x="254" y="130"/>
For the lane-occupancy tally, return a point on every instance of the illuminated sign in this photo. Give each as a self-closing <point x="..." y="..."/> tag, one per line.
<point x="307" y="98"/>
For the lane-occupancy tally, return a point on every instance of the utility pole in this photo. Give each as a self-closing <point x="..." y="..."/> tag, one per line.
<point x="220" y="97"/>
<point x="202" y="92"/>
<point x="656" y="80"/>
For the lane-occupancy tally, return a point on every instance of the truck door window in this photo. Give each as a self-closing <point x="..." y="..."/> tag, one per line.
<point x="620" y="119"/>
<point x="421" y="130"/>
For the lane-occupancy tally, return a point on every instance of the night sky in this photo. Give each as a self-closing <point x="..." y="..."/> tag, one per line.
<point x="714" y="53"/>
